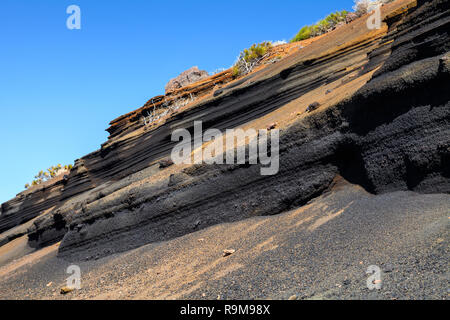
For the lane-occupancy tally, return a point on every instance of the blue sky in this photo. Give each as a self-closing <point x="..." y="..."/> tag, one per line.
<point x="60" y="88"/>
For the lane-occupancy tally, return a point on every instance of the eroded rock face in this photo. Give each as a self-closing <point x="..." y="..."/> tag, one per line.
<point x="388" y="136"/>
<point x="392" y="134"/>
<point x="30" y="203"/>
<point x="190" y="76"/>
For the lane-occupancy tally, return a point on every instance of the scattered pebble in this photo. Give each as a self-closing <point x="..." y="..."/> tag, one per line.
<point x="66" y="290"/>
<point x="228" y="252"/>
<point x="313" y="106"/>
<point x="388" y="268"/>
<point x="292" y="298"/>
<point x="272" y="126"/>
<point x="165" y="163"/>
<point x="218" y="92"/>
<point x="197" y="224"/>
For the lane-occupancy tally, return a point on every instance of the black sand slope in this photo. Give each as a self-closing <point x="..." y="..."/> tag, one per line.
<point x="364" y="180"/>
<point x="319" y="251"/>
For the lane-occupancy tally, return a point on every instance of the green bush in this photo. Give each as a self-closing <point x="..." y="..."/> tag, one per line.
<point x="256" y="51"/>
<point x="43" y="176"/>
<point x="235" y="71"/>
<point x="303" y="34"/>
<point x="321" y="27"/>
<point x="250" y="57"/>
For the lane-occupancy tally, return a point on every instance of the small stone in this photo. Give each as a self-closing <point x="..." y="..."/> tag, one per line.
<point x="49" y="284"/>
<point x="388" y="268"/>
<point x="346" y="282"/>
<point x="376" y="281"/>
<point x="66" y="290"/>
<point x="197" y="224"/>
<point x="313" y="106"/>
<point x="228" y="252"/>
<point x="328" y="91"/>
<point x="292" y="298"/>
<point x="272" y="126"/>
<point x="218" y="92"/>
<point x="165" y="163"/>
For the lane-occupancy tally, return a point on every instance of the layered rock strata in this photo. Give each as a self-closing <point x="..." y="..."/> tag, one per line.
<point x="387" y="129"/>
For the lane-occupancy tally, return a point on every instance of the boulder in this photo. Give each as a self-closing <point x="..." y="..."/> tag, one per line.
<point x="313" y="106"/>
<point x="228" y="252"/>
<point x="187" y="77"/>
<point x="66" y="290"/>
<point x="351" y="16"/>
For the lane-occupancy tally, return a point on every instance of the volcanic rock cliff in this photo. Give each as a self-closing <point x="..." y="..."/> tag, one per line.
<point x="382" y="122"/>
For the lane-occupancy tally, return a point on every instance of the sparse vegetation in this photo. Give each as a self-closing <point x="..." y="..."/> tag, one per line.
<point x="321" y="27"/>
<point x="167" y="107"/>
<point x="360" y="8"/>
<point x="50" y="173"/>
<point x="250" y="57"/>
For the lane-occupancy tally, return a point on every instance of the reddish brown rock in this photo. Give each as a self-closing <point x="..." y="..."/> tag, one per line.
<point x="186" y="78"/>
<point x="350" y="17"/>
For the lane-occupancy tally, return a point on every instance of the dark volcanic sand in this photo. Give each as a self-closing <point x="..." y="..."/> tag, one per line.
<point x="319" y="251"/>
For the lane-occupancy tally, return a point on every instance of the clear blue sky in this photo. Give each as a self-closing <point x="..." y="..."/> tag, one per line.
<point x="60" y="88"/>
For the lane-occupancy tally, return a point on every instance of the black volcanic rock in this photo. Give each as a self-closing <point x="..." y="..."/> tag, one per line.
<point x="391" y="135"/>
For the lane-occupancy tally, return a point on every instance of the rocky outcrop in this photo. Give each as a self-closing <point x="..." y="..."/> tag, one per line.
<point x="89" y="172"/>
<point x="391" y="132"/>
<point x="351" y="16"/>
<point x="31" y="203"/>
<point x="188" y="77"/>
